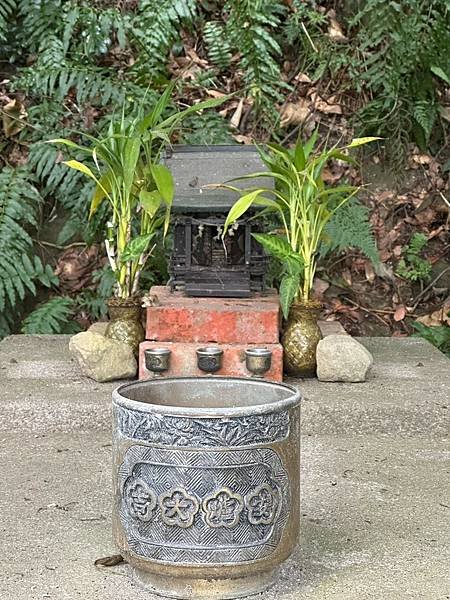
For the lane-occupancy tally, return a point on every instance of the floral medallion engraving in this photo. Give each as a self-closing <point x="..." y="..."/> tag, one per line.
<point x="212" y="506"/>
<point x="262" y="505"/>
<point x="141" y="500"/>
<point x="222" y="509"/>
<point x="178" y="508"/>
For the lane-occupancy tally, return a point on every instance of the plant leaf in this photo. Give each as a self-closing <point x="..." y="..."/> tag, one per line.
<point x="440" y="73"/>
<point x="309" y="146"/>
<point x="153" y="117"/>
<point x="79" y="166"/>
<point x="171" y="121"/>
<point x="150" y="201"/>
<point x="299" y="156"/>
<point x="102" y="189"/>
<point x="276" y="245"/>
<point x="136" y="247"/>
<point x="361" y="141"/>
<point x="239" y="208"/>
<point x="131" y="151"/>
<point x="288" y="290"/>
<point x="68" y="143"/>
<point x="164" y="182"/>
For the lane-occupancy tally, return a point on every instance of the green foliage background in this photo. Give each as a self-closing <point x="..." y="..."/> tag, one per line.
<point x="71" y="63"/>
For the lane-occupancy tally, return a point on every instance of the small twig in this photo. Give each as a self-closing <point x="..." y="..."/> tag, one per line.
<point x="21" y="121"/>
<point x="376" y="311"/>
<point x="429" y="286"/>
<point x="57" y="246"/>
<point x="369" y="311"/>
<point x="314" y="47"/>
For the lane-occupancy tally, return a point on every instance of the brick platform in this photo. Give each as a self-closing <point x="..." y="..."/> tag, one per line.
<point x="221" y="320"/>
<point x="183" y="360"/>
<point x="185" y="324"/>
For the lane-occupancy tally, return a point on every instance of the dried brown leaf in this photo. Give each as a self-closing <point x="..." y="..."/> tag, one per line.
<point x="243" y="139"/>
<point x="14" y="115"/>
<point x="328" y="106"/>
<point x="436" y="318"/>
<point x="302" y="78"/>
<point x="335" y="32"/>
<point x="237" y="115"/>
<point x="215" y="93"/>
<point x="109" y="561"/>
<point x="400" y="313"/>
<point x="295" y="114"/>
<point x="320" y="286"/>
<point x="369" y="271"/>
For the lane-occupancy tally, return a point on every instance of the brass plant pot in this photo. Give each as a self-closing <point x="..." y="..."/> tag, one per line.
<point x="125" y="323"/>
<point x="206" y="478"/>
<point x="300" y="337"/>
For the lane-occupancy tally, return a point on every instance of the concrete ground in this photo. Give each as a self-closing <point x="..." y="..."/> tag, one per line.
<point x="375" y="480"/>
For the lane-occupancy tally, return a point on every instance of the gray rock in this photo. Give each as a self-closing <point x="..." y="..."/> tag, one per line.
<point x="99" y="327"/>
<point x="342" y="358"/>
<point x="101" y="358"/>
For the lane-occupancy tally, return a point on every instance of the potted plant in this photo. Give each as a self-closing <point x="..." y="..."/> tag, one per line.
<point x="303" y="205"/>
<point x="128" y="174"/>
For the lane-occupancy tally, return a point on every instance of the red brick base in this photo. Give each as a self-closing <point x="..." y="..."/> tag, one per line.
<point x="184" y="324"/>
<point x="177" y="318"/>
<point x="183" y="360"/>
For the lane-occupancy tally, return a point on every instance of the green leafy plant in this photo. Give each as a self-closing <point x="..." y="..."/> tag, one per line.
<point x="349" y="227"/>
<point x="139" y="189"/>
<point x="400" y="55"/>
<point x="54" y="316"/>
<point x="439" y="335"/>
<point x="413" y="266"/>
<point x="303" y="206"/>
<point x="20" y="269"/>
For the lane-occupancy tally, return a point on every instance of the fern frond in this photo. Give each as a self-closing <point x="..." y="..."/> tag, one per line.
<point x="19" y="206"/>
<point x="55" y="316"/>
<point x="251" y="31"/>
<point x="350" y="228"/>
<point x="7" y="9"/>
<point x="425" y="114"/>
<point x="91" y="84"/>
<point x="155" y="27"/>
<point x="207" y="128"/>
<point x="219" y="50"/>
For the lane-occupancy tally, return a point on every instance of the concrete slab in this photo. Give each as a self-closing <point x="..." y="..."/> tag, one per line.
<point x="408" y="391"/>
<point x="374" y="502"/>
<point x="374" y="520"/>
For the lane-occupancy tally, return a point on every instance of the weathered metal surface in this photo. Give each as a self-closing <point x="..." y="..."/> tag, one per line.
<point x="157" y="360"/>
<point x="206" y="477"/>
<point x="258" y="361"/>
<point x="209" y="359"/>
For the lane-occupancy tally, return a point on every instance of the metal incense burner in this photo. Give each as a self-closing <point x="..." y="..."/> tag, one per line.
<point x="209" y="359"/>
<point x="258" y="361"/>
<point x="157" y="360"/>
<point x="206" y="483"/>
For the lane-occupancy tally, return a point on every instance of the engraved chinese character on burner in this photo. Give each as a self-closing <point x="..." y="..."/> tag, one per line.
<point x="222" y="509"/>
<point x="178" y="508"/>
<point x="140" y="500"/>
<point x="262" y="505"/>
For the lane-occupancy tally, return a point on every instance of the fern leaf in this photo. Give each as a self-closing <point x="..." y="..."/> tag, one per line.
<point x="7" y="9"/>
<point x="425" y="113"/>
<point x="350" y="228"/>
<point x="19" y="205"/>
<point x="219" y="50"/>
<point x="55" y="316"/>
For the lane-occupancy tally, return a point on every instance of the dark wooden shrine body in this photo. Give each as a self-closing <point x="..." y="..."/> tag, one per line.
<point x="202" y="263"/>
